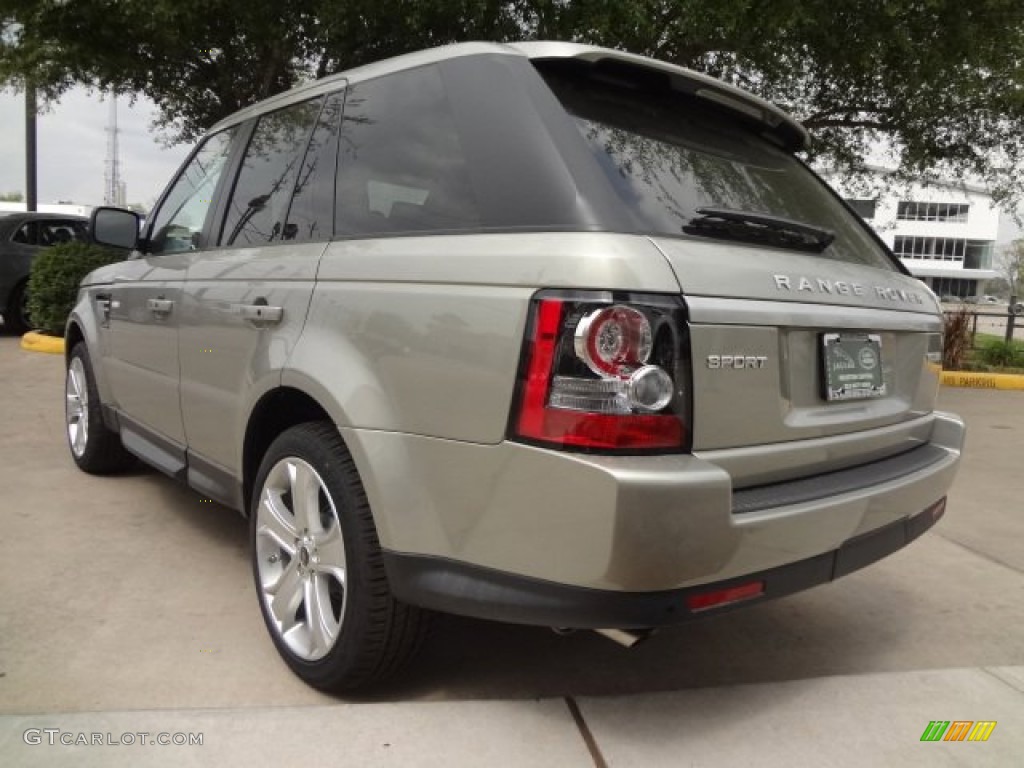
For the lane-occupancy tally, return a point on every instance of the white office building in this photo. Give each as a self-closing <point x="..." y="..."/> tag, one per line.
<point x="944" y="232"/>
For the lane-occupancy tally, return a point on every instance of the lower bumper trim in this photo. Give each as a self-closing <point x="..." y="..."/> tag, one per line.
<point x="470" y="590"/>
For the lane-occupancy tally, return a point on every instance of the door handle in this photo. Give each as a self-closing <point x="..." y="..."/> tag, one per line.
<point x="103" y="301"/>
<point x="260" y="312"/>
<point x="160" y="306"/>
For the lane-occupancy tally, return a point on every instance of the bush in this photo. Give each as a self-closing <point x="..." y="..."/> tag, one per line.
<point x="956" y="338"/>
<point x="1003" y="354"/>
<point x="53" y="282"/>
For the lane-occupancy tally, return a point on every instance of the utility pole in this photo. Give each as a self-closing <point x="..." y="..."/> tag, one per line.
<point x="30" y="146"/>
<point x="114" y="194"/>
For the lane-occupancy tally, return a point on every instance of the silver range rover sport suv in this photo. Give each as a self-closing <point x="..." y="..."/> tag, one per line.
<point x="540" y="333"/>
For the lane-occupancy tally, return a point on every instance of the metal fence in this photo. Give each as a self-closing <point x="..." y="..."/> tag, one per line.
<point x="993" y="321"/>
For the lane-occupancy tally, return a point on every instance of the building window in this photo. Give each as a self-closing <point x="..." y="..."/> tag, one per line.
<point x="930" y="248"/>
<point x="863" y="208"/>
<point x="979" y="254"/>
<point x="913" y="211"/>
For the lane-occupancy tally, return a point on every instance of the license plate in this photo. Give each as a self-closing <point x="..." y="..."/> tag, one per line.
<point x="852" y="366"/>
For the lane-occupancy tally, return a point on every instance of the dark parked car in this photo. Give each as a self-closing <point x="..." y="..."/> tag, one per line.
<point x="22" y="236"/>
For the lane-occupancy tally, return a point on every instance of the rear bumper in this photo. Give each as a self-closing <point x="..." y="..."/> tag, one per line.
<point x="468" y="590"/>
<point x="509" y="517"/>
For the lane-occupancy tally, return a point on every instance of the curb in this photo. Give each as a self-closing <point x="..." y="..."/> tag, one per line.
<point x="972" y="380"/>
<point x="37" y="342"/>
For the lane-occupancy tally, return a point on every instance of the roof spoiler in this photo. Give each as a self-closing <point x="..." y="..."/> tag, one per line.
<point x="776" y="123"/>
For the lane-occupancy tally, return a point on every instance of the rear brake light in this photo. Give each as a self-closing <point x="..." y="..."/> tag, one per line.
<point x="723" y="597"/>
<point x="600" y="375"/>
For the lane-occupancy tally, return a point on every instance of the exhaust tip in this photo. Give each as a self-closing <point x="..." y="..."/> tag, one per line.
<point x="627" y="638"/>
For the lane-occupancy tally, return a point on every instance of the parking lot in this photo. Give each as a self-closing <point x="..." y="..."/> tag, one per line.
<point x="127" y="605"/>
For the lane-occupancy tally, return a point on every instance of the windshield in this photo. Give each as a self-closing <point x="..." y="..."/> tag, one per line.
<point x="668" y="156"/>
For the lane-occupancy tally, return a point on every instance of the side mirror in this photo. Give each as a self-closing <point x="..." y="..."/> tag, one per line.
<point x="114" y="226"/>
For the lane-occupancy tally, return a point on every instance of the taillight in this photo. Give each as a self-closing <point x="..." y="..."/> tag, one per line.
<point x="605" y="374"/>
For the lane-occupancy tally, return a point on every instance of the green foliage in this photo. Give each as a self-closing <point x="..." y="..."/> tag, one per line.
<point x="956" y="339"/>
<point x="11" y="197"/>
<point x="939" y="81"/>
<point x="53" y="282"/>
<point x="1003" y="354"/>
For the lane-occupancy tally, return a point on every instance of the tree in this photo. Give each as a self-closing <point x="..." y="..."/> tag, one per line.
<point x="937" y="82"/>
<point x="1010" y="266"/>
<point x="12" y="197"/>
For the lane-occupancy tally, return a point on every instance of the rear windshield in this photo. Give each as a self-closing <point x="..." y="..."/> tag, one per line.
<point x="668" y="155"/>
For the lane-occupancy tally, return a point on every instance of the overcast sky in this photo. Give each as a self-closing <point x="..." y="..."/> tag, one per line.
<point x="73" y="148"/>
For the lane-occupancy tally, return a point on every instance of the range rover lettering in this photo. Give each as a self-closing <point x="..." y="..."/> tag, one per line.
<point x="540" y="333"/>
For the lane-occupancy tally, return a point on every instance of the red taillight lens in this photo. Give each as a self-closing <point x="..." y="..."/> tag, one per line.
<point x="603" y="377"/>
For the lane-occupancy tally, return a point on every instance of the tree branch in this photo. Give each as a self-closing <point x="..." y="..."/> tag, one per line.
<point x="849" y="122"/>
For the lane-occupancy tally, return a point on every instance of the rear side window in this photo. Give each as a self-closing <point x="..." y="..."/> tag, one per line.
<point x="666" y="155"/>
<point x="401" y="166"/>
<point x="258" y="205"/>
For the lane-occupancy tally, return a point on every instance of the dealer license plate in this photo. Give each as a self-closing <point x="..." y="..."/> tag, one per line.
<point x="852" y="366"/>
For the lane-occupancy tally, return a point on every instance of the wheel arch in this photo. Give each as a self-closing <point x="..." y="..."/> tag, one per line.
<point x="73" y="334"/>
<point x="81" y="327"/>
<point x="276" y="411"/>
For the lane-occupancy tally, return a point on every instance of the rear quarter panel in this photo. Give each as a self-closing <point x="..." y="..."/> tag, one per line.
<point x="423" y="334"/>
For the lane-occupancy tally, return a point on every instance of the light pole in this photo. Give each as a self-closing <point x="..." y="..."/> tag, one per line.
<point x="30" y="146"/>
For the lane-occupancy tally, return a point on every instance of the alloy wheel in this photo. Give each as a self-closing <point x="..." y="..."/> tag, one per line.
<point x="301" y="562"/>
<point x="76" y="407"/>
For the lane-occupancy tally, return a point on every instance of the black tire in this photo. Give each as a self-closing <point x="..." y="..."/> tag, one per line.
<point x="102" y="452"/>
<point x="16" y="318"/>
<point x="377" y="633"/>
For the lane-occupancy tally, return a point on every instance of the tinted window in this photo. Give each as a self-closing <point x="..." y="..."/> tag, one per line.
<point x="47" y="232"/>
<point x="311" y="216"/>
<point x="26" y="234"/>
<point x="178" y="223"/>
<point x="401" y="166"/>
<point x="863" y="208"/>
<point x="259" y="204"/>
<point x="667" y="155"/>
<point x="56" y="231"/>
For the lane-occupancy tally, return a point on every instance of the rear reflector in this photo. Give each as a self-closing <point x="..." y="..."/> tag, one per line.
<point x="720" y="597"/>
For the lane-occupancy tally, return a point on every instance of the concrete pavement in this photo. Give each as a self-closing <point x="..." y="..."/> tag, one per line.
<point x="126" y="605"/>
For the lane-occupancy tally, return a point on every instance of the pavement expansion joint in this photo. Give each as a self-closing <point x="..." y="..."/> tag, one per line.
<point x="977" y="552"/>
<point x="586" y="733"/>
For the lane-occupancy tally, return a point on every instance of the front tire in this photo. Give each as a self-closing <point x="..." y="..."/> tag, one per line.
<point x="95" y="448"/>
<point x="318" y="568"/>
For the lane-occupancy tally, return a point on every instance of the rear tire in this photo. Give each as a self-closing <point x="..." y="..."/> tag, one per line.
<point x="95" y="448"/>
<point x="317" y="563"/>
<point x="16" y="318"/>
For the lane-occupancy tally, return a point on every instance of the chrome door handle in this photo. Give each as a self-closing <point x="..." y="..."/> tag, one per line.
<point x="260" y="313"/>
<point x="103" y="301"/>
<point x="160" y="306"/>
